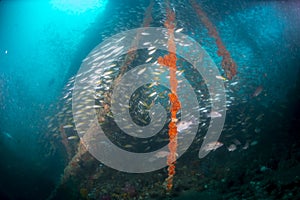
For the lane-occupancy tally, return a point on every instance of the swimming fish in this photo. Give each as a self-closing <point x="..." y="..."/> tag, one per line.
<point x="183" y="125"/>
<point x="257" y="130"/>
<point x="212" y="146"/>
<point x="232" y="147"/>
<point x="234" y="83"/>
<point x="152" y="94"/>
<point x="246" y="146"/>
<point x="214" y="114"/>
<point x="160" y="154"/>
<point x="179" y="30"/>
<point x="68" y="126"/>
<point x="141" y="71"/>
<point x="258" y="90"/>
<point x="9" y="136"/>
<point x="148" y="60"/>
<point x="221" y="78"/>
<point x="152" y="52"/>
<point x="73" y="137"/>
<point x="145" y="33"/>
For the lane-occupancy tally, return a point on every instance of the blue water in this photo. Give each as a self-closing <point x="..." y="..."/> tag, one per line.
<point x="43" y="43"/>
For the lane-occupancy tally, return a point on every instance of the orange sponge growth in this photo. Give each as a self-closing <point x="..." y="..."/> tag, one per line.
<point x="228" y="64"/>
<point x="170" y="62"/>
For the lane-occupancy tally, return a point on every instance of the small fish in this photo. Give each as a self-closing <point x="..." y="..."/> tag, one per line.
<point x="145" y="33"/>
<point x="67" y="95"/>
<point x="257" y="92"/>
<point x="151" y="48"/>
<point x="234" y="83"/>
<point x="232" y="147"/>
<point x="146" y="43"/>
<point x="148" y="148"/>
<point x="179" y="30"/>
<point x="179" y="73"/>
<point x="259" y="117"/>
<point x="246" y="146"/>
<point x="107" y="73"/>
<point x="212" y="146"/>
<point x="148" y="60"/>
<point x="117" y="49"/>
<point x="257" y="130"/>
<point x="68" y="126"/>
<point x="162" y="154"/>
<point x="141" y="71"/>
<point x="73" y="137"/>
<point x="119" y="40"/>
<point x="221" y="78"/>
<point x="237" y="142"/>
<point x="153" y="84"/>
<point x="253" y="143"/>
<point x="152" y="94"/>
<point x="152" y="52"/>
<point x="128" y="146"/>
<point x="214" y="114"/>
<point x="9" y="136"/>
<point x="96" y="106"/>
<point x="143" y="103"/>
<point x="183" y="125"/>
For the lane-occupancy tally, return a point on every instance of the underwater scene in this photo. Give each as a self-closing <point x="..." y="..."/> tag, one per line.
<point x="149" y="99"/>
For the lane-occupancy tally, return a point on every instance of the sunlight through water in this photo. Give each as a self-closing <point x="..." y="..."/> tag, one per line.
<point x="78" y="6"/>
